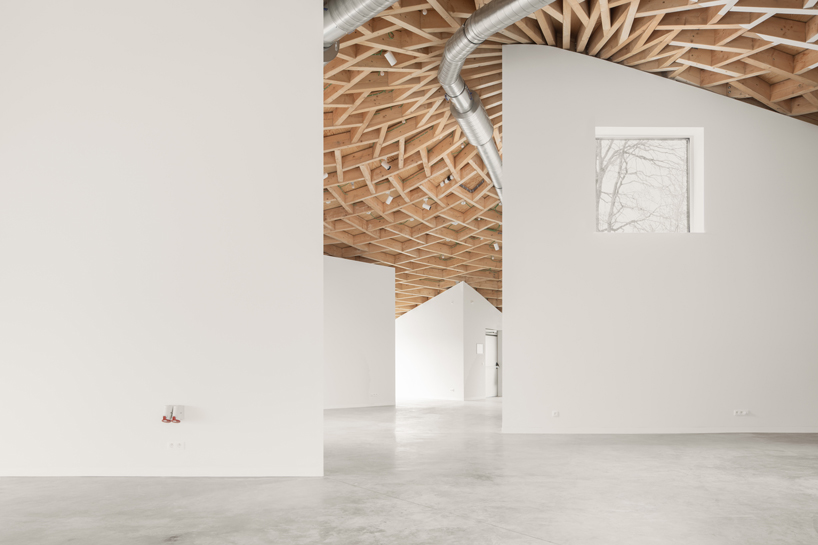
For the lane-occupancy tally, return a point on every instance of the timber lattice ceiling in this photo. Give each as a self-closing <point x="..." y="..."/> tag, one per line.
<point x="437" y="233"/>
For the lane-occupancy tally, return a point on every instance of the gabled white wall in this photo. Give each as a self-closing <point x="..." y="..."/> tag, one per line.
<point x="158" y="243"/>
<point x="654" y="333"/>
<point x="478" y="316"/>
<point x="429" y="349"/>
<point x="436" y="346"/>
<point x="359" y="334"/>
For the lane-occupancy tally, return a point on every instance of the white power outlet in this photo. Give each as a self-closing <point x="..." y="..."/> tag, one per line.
<point x="555" y="413"/>
<point x="176" y="445"/>
<point x="740" y="412"/>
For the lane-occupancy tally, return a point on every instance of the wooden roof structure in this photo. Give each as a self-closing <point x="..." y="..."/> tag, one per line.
<point x="435" y="232"/>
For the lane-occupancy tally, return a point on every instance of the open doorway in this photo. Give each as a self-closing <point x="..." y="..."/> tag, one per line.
<point x="492" y="364"/>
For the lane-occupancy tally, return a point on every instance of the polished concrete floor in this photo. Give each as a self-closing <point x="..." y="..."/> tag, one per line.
<point x="443" y="474"/>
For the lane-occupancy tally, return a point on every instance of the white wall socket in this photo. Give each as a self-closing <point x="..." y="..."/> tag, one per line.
<point x="555" y="413"/>
<point x="176" y="445"/>
<point x="740" y="412"/>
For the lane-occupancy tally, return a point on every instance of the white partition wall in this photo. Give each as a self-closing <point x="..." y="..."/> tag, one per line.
<point x="429" y="349"/>
<point x="654" y="332"/>
<point x="436" y="346"/>
<point x="359" y="334"/>
<point x="159" y="244"/>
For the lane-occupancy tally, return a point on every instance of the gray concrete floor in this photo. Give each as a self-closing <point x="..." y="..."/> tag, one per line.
<point x="443" y="474"/>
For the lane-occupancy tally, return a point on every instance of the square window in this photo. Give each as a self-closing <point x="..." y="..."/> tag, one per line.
<point x="645" y="182"/>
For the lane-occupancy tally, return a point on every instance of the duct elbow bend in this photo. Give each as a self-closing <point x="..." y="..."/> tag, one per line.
<point x="466" y="106"/>
<point x="343" y="16"/>
<point x="457" y="50"/>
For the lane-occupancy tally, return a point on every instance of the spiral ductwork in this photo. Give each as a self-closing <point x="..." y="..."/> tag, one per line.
<point x="343" y="16"/>
<point x="475" y="122"/>
<point x="465" y="106"/>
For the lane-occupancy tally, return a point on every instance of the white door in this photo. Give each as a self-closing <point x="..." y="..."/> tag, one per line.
<point x="492" y="371"/>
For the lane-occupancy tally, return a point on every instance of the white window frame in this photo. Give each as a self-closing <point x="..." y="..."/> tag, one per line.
<point x="695" y="157"/>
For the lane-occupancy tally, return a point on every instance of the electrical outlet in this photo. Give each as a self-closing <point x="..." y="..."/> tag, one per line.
<point x="176" y="445"/>
<point x="555" y="413"/>
<point x="740" y="412"/>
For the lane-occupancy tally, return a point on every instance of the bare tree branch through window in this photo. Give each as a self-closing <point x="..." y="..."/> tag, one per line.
<point x="642" y="186"/>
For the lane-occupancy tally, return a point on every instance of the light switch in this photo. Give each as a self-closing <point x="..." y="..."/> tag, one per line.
<point x="479" y="348"/>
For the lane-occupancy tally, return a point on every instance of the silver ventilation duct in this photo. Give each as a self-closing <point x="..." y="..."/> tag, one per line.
<point x="343" y="16"/>
<point x="466" y="106"/>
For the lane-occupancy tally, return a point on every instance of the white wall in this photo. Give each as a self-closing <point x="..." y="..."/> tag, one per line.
<point x="479" y="315"/>
<point x="159" y="245"/>
<point x="429" y="348"/>
<point x="654" y="333"/>
<point x="359" y="334"/>
<point x="436" y="346"/>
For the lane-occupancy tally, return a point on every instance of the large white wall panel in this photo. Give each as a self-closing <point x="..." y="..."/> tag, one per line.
<point x="359" y="334"/>
<point x="429" y="348"/>
<point x="436" y="345"/>
<point x="159" y="243"/>
<point x="654" y="333"/>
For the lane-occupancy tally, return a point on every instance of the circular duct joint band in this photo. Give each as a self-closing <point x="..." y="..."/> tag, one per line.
<point x="330" y="52"/>
<point x="474" y="40"/>
<point x="454" y="96"/>
<point x="474" y="122"/>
